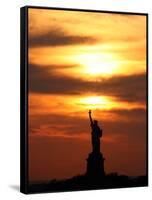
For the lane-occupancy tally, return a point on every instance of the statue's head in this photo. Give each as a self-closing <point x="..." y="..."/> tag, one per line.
<point x="95" y="122"/>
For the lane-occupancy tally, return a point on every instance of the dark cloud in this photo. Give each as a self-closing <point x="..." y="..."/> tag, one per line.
<point x="131" y="88"/>
<point x="57" y="37"/>
<point x="137" y="114"/>
<point x="43" y="81"/>
<point x="128" y="88"/>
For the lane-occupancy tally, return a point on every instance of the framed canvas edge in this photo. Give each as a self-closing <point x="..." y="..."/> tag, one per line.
<point x="147" y="97"/>
<point x="23" y="100"/>
<point x="24" y="179"/>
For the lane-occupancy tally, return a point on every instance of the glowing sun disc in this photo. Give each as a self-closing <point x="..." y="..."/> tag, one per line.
<point x="95" y="102"/>
<point x="95" y="64"/>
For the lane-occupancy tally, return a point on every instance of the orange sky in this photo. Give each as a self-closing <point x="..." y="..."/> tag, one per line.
<point x="80" y="61"/>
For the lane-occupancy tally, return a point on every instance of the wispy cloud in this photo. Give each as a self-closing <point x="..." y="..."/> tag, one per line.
<point x="131" y="88"/>
<point x="58" y="37"/>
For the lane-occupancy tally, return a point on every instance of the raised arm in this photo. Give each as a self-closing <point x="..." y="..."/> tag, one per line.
<point x="91" y="121"/>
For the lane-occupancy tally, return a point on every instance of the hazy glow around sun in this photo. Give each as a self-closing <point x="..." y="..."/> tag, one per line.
<point x="97" y="64"/>
<point x="95" y="102"/>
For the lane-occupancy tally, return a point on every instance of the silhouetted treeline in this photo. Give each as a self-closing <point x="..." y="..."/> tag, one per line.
<point x="82" y="182"/>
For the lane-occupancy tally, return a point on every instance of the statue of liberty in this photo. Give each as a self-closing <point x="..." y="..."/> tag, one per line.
<point x="95" y="161"/>
<point x="96" y="134"/>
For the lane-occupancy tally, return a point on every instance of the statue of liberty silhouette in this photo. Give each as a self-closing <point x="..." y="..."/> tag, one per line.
<point x="96" y="134"/>
<point x="95" y="160"/>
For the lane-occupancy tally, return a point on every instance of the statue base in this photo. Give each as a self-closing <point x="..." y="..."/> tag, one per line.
<point x="95" y="166"/>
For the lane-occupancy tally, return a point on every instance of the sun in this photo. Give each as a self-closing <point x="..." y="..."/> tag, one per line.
<point x="98" y="64"/>
<point x="94" y="102"/>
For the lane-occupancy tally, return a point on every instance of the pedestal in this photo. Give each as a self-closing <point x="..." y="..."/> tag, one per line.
<point x="95" y="166"/>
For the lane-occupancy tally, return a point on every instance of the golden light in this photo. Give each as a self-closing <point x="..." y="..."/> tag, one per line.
<point x="97" y="64"/>
<point x="95" y="102"/>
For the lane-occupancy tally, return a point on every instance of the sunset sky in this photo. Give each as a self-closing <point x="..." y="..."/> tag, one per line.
<point x="80" y="61"/>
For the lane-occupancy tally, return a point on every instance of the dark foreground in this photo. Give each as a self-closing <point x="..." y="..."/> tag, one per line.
<point x="82" y="182"/>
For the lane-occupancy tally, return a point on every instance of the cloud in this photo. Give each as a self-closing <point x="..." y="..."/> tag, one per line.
<point x="137" y="114"/>
<point x="131" y="88"/>
<point x="128" y="88"/>
<point x="58" y="37"/>
<point x="58" y="123"/>
<point x="48" y="124"/>
<point x="43" y="81"/>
